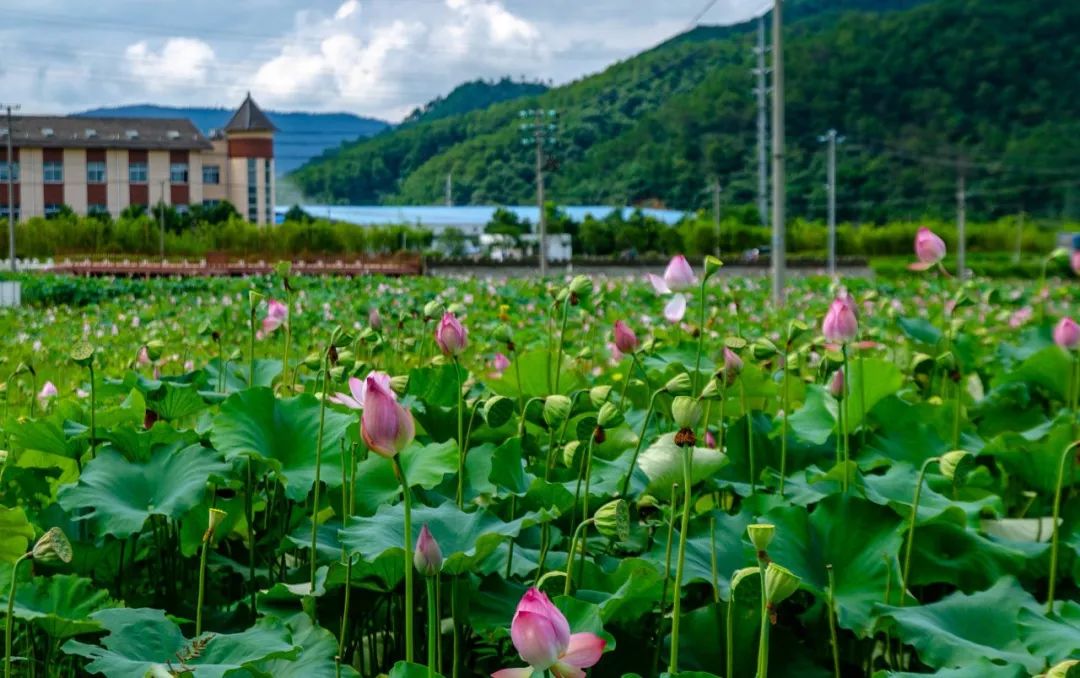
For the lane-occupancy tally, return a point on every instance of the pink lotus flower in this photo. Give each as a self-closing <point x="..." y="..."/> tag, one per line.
<point x="710" y="440"/>
<point x="374" y="319"/>
<point x="836" y="384"/>
<point x="625" y="339"/>
<point x="542" y="637"/>
<point x="840" y="325"/>
<point x="1075" y="261"/>
<point x="427" y="558"/>
<point x="358" y="391"/>
<point x="144" y="357"/>
<point x="929" y="248"/>
<point x="276" y="315"/>
<point x="733" y="365"/>
<point x="678" y="276"/>
<point x="385" y="426"/>
<point x="451" y="336"/>
<point x="1067" y="334"/>
<point x="675" y="309"/>
<point x="48" y="392"/>
<point x="500" y="363"/>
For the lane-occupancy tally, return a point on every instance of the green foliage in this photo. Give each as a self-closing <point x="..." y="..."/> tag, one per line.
<point x="471" y="96"/>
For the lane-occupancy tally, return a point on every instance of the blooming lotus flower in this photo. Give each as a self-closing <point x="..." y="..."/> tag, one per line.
<point x="501" y="362"/>
<point x="427" y="558"/>
<point x="358" y="390"/>
<point x="276" y="315"/>
<point x="675" y="309"/>
<point x="678" y="274"/>
<point x="625" y="339"/>
<point x="1067" y="334"/>
<point x="386" y="427"/>
<point x="451" y="336"/>
<point x="929" y="248"/>
<point x="47" y="393"/>
<point x="542" y="637"/>
<point x="840" y="325"/>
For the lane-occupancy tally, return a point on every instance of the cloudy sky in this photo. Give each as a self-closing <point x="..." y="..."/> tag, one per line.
<point x="370" y="57"/>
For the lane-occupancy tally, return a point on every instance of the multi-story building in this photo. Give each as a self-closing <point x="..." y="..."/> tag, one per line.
<point x="106" y="164"/>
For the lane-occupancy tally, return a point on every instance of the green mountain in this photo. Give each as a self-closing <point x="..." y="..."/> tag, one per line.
<point x="919" y="93"/>
<point x="471" y="96"/>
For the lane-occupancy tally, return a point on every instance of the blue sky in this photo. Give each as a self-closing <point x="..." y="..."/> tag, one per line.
<point x="370" y="57"/>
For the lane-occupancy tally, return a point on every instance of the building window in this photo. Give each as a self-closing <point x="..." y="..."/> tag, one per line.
<point x="96" y="210"/>
<point x="53" y="172"/>
<point x="4" y="171"/>
<point x="211" y="174"/>
<point x="211" y="203"/>
<point x="137" y="173"/>
<point x="178" y="173"/>
<point x="95" y="172"/>
<point x="52" y="210"/>
<point x="253" y="191"/>
<point x="4" y="211"/>
<point x="182" y="209"/>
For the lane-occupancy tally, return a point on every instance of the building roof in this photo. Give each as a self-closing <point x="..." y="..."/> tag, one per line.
<point x="57" y="131"/>
<point x="249" y="118"/>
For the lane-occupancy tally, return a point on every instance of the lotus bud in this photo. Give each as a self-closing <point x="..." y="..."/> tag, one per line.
<point x="836" y="384"/>
<point x="216" y="518"/>
<point x="680" y="383"/>
<point x="780" y="583"/>
<point x="1074" y="261"/>
<point x="570" y="453"/>
<point x="956" y="465"/>
<point x="52" y="546"/>
<point x="433" y="309"/>
<point x="625" y="339"/>
<point x="399" y="384"/>
<point x="451" y="335"/>
<point x="1067" y="334"/>
<point x="612" y="520"/>
<point x="609" y="416"/>
<point x="733" y="365"/>
<point x="929" y="248"/>
<point x="761" y="535"/>
<point x="154" y="349"/>
<point x="679" y="275"/>
<point x="386" y="427"/>
<point x="840" y="325"/>
<point x="712" y="266"/>
<point x="556" y="409"/>
<point x="598" y="395"/>
<point x="427" y="558"/>
<point x="710" y="440"/>
<point x="83" y="354"/>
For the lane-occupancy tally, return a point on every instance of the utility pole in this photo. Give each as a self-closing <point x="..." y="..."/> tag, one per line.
<point x="779" y="258"/>
<point x="832" y="139"/>
<point x="450" y="188"/>
<point x="542" y="132"/>
<point x="961" y="220"/>
<point x="762" y="110"/>
<point x="161" y="221"/>
<point x="716" y="212"/>
<point x="11" y="187"/>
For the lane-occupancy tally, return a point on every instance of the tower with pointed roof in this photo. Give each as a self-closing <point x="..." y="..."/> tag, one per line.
<point x="248" y="138"/>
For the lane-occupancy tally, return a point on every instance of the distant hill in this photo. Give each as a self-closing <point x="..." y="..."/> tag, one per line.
<point x="302" y="136"/>
<point x="472" y="96"/>
<point x="913" y="85"/>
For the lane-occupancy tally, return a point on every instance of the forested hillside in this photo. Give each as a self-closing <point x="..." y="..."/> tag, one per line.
<point x="920" y="94"/>
<point x="471" y="96"/>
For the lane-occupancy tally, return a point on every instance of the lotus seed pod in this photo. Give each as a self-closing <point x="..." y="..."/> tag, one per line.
<point x="613" y="520"/>
<point x="680" y="383"/>
<point x="780" y="583"/>
<point x="313" y="361"/>
<point x="215" y="519"/>
<point x="741" y="575"/>
<point x="399" y="384"/>
<point x="336" y="373"/>
<point x="52" y="546"/>
<point x="761" y="535"/>
<point x="83" y="354"/>
<point x="956" y="465"/>
<point x="556" y="410"/>
<point x="581" y="285"/>
<point x="498" y="410"/>
<point x="598" y="395"/>
<point x="433" y="309"/>
<point x="3" y="457"/>
<point x="154" y="349"/>
<point x="504" y="334"/>
<point x="712" y="266"/>
<point x="711" y="390"/>
<point x="570" y="453"/>
<point x="609" y="416"/>
<point x="1064" y="669"/>
<point x="346" y="357"/>
<point x="686" y="412"/>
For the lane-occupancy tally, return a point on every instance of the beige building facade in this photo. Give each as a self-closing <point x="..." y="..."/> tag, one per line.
<point x="105" y="165"/>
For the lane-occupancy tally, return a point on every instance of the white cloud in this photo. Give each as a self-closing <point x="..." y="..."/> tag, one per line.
<point x="180" y="62"/>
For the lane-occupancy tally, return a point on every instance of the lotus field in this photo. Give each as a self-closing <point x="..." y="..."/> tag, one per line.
<point x="306" y="477"/>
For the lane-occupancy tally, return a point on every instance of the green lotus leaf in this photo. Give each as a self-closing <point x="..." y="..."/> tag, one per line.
<point x="404" y="669"/>
<point x="871" y="381"/>
<point x="897" y="486"/>
<point x="662" y="463"/>
<point x="949" y="553"/>
<point x="60" y="605"/>
<point x="533" y="366"/>
<point x="961" y="628"/>
<point x="142" y="640"/>
<point x="908" y="432"/>
<point x="236" y="374"/>
<point x="921" y="330"/>
<point x="1055" y="637"/>
<point x="176" y="401"/>
<point x="1048" y="368"/>
<point x="816" y="420"/>
<point x="465" y="538"/>
<point x="318" y="647"/>
<point x="15" y="534"/>
<point x="859" y="539"/>
<point x="980" y="668"/>
<point x="282" y="433"/>
<point x="424" y="465"/>
<point x="119" y="495"/>
<point x="732" y="551"/>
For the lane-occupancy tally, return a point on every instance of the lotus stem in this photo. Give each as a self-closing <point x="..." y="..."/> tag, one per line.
<point x="9" y="627"/>
<point x="712" y="557"/>
<point x="832" y="623"/>
<point x="1056" y="535"/>
<point x="749" y="438"/>
<point x="460" y="437"/>
<point x="288" y="335"/>
<point x="701" y="336"/>
<point x="637" y="448"/>
<point x="93" y="412"/>
<point x="784" y="404"/>
<point x="729" y="634"/>
<point x="251" y="347"/>
<point x="562" y="339"/>
<point x="684" y="528"/>
<point x="249" y="510"/>
<point x="570" y="557"/>
<point x="455" y="670"/>
<point x="318" y="465"/>
<point x="433" y="626"/>
<point x="845" y="420"/>
<point x="407" y="502"/>
<point x="667" y="573"/>
<point x="348" y="495"/>
<point x="763" y="641"/>
<point x="911" y="527"/>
